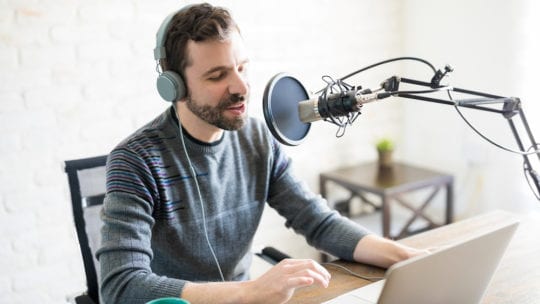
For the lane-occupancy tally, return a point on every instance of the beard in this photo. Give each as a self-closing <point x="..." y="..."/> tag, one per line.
<point x="214" y="115"/>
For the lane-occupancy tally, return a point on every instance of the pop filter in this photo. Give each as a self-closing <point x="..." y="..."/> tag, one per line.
<point x="280" y="106"/>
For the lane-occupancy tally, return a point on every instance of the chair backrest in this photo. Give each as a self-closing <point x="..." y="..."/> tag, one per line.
<point x="87" y="178"/>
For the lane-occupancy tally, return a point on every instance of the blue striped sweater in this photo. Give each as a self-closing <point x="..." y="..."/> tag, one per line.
<point x="153" y="239"/>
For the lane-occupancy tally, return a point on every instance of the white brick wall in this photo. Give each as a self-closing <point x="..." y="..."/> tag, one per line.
<point x="78" y="76"/>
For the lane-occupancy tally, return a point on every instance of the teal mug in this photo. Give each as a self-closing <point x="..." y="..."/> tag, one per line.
<point x="168" y="301"/>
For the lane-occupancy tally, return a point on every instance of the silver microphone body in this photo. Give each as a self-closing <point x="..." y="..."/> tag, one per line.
<point x="338" y="104"/>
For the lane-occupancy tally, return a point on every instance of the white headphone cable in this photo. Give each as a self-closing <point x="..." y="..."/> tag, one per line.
<point x="194" y="175"/>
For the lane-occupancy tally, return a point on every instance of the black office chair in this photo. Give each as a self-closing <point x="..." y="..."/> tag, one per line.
<point x="87" y="186"/>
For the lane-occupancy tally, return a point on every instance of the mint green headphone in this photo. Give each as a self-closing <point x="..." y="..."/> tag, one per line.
<point x="170" y="84"/>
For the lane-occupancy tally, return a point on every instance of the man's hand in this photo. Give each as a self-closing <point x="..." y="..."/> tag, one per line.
<point x="382" y="252"/>
<point x="275" y="286"/>
<point x="278" y="284"/>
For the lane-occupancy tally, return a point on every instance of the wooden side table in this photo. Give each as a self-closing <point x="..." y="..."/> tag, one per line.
<point x="390" y="184"/>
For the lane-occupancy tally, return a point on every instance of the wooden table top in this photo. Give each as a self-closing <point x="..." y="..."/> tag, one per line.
<point x="517" y="280"/>
<point x="399" y="177"/>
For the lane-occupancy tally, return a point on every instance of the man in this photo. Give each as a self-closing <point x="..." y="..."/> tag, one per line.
<point x="186" y="192"/>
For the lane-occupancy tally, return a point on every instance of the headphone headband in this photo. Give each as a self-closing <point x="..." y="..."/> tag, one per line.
<point x="161" y="36"/>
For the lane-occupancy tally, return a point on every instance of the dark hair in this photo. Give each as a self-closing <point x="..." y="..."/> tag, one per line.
<point x="200" y="22"/>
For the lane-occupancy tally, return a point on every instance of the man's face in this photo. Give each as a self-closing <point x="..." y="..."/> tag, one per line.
<point x="217" y="83"/>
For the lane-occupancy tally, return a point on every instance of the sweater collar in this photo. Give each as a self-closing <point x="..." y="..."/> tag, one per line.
<point x="189" y="136"/>
<point x="192" y="142"/>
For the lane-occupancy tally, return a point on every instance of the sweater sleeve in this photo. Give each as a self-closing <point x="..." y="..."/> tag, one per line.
<point x="125" y="253"/>
<point x="308" y="214"/>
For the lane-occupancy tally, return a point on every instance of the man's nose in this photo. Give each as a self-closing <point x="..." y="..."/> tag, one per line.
<point x="239" y="84"/>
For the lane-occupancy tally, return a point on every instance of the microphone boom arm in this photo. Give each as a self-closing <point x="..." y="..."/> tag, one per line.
<point x="511" y="106"/>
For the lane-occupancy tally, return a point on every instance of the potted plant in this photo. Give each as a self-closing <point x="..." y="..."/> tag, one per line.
<point x="385" y="149"/>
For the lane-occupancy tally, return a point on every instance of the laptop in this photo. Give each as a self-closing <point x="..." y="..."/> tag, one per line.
<point x="457" y="273"/>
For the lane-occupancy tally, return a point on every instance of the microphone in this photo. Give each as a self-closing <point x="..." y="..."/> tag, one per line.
<point x="289" y="111"/>
<point x="337" y="104"/>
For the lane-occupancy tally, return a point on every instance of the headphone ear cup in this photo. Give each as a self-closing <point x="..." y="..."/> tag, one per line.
<point x="170" y="86"/>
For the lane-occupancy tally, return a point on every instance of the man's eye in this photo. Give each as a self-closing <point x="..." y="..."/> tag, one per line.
<point x="215" y="77"/>
<point x="243" y="68"/>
